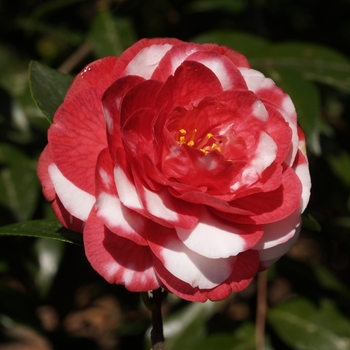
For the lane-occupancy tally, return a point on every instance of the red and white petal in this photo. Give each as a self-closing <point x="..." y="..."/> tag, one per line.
<point x="235" y="57"/>
<point x="127" y="191"/>
<point x="118" y="218"/>
<point x="147" y="60"/>
<point x="244" y="268"/>
<point x="270" y="206"/>
<point x="264" y="154"/>
<point x="78" y="135"/>
<point x="129" y="54"/>
<point x="65" y="218"/>
<point x="111" y="105"/>
<point x="185" y="264"/>
<point x="227" y="73"/>
<point x="173" y="59"/>
<point x="77" y="202"/>
<point x="191" y="83"/>
<point x="301" y="168"/>
<point x="271" y="255"/>
<point x="167" y="210"/>
<point x="43" y="174"/>
<point x="117" y="259"/>
<point x="95" y="74"/>
<point x="279" y="232"/>
<point x="216" y="238"/>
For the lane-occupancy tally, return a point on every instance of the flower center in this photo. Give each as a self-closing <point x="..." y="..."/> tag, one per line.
<point x="206" y="143"/>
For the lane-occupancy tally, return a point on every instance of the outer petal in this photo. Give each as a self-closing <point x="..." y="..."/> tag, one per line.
<point x="227" y="73"/>
<point x="129" y="54"/>
<point x="77" y="202"/>
<point x="269" y="93"/>
<point x="96" y="74"/>
<point x="271" y="255"/>
<point x="78" y="135"/>
<point x="237" y="58"/>
<point x="117" y="259"/>
<point x="279" y="232"/>
<point x="244" y="269"/>
<point x="186" y="265"/>
<point x="270" y="206"/>
<point x="146" y="60"/>
<point x="216" y="238"/>
<point x="65" y="218"/>
<point x="43" y="174"/>
<point x="302" y="170"/>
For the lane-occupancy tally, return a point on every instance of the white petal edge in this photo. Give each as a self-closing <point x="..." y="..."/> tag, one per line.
<point x="77" y="202"/>
<point x="194" y="269"/>
<point x="147" y="60"/>
<point x="126" y="190"/>
<point x="265" y="153"/>
<point x="114" y="214"/>
<point x="159" y="205"/>
<point x="255" y="80"/>
<point x="303" y="173"/>
<point x="219" y="69"/>
<point x="271" y="255"/>
<point x="279" y="232"/>
<point x="212" y="238"/>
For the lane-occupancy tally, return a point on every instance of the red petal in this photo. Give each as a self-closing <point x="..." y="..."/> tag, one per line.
<point x="77" y="137"/>
<point x="191" y="83"/>
<point x="44" y="177"/>
<point x="237" y="58"/>
<point x="245" y="268"/>
<point x="271" y="206"/>
<point x="278" y="128"/>
<point x="117" y="259"/>
<point x="140" y="96"/>
<point x="118" y="218"/>
<point x="133" y="50"/>
<point x="65" y="218"/>
<point x="95" y="75"/>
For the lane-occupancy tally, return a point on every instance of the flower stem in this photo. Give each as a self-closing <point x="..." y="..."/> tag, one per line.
<point x="261" y="311"/>
<point x="157" y="336"/>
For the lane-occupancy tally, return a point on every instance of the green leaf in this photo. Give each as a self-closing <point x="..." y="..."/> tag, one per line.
<point x="46" y="228"/>
<point x="19" y="185"/>
<point x="111" y="35"/>
<point x="313" y="61"/>
<point x="306" y="101"/>
<point x="242" y="42"/>
<point x="307" y="326"/>
<point x="48" y="87"/>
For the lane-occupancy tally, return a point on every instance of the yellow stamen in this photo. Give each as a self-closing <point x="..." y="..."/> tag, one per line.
<point x="182" y="131"/>
<point x="191" y="143"/>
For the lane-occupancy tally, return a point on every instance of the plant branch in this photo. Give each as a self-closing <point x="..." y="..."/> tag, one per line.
<point x="157" y="336"/>
<point x="261" y="311"/>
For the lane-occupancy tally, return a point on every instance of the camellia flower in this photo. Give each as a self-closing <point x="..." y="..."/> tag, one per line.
<point x="183" y="168"/>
